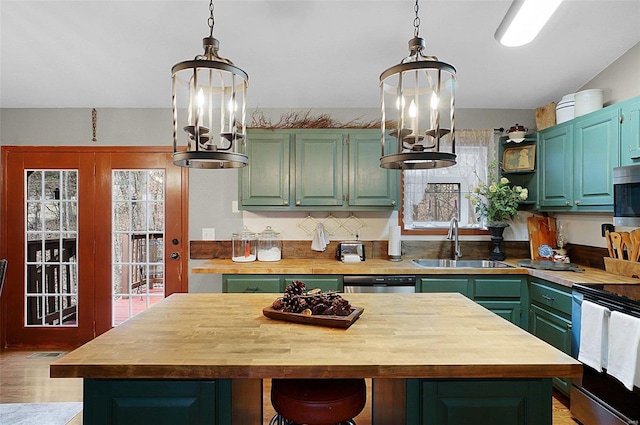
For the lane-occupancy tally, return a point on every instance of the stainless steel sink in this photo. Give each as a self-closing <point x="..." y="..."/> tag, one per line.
<point x="477" y="264"/>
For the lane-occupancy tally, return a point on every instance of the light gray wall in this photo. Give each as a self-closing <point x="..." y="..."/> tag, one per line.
<point x="211" y="192"/>
<point x="620" y="80"/>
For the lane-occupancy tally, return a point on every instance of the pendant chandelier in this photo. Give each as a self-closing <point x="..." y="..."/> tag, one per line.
<point x="418" y="98"/>
<point x="209" y="109"/>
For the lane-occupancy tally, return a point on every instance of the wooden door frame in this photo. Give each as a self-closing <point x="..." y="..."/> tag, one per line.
<point x="10" y="196"/>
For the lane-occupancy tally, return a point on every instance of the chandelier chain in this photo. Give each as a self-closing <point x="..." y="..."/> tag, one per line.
<point x="211" y="20"/>
<point x="94" y="125"/>
<point x="416" y="20"/>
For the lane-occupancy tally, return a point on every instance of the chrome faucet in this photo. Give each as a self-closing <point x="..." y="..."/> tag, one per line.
<point x="454" y="224"/>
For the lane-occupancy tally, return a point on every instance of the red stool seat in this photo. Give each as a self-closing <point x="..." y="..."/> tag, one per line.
<point x="318" y="401"/>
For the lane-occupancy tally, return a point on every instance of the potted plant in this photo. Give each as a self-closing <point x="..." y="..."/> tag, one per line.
<point x="496" y="203"/>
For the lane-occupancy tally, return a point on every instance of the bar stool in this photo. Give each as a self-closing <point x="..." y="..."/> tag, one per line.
<point x="317" y="401"/>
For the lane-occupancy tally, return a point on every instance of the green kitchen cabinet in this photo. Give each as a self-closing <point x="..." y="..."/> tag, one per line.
<point x="555" y="166"/>
<point x="162" y="402"/>
<point x="630" y="133"/>
<point x="265" y="181"/>
<point x="318" y="169"/>
<point x="506" y="296"/>
<point x="252" y="283"/>
<point x="503" y="295"/>
<point x="322" y="282"/>
<point x="446" y="283"/>
<point x="550" y="318"/>
<point x="275" y="283"/>
<point x="577" y="157"/>
<point x="370" y="184"/>
<point x="478" y="402"/>
<point x="596" y="152"/>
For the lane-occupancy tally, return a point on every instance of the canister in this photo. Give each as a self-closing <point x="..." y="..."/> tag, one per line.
<point x="244" y="246"/>
<point x="269" y="245"/>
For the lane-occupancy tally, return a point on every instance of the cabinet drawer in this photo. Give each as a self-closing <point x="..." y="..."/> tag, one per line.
<point x="498" y="288"/>
<point x="252" y="285"/>
<point x="324" y="283"/>
<point x="551" y="297"/>
<point x="462" y="286"/>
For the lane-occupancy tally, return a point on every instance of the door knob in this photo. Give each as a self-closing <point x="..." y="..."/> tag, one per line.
<point x="175" y="255"/>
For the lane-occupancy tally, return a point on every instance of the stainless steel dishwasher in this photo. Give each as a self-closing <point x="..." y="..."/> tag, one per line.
<point x="355" y="284"/>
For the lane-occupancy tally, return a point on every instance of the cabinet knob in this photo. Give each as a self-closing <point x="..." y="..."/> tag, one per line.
<point x="298" y="203"/>
<point x="286" y="203"/>
<point x="567" y="203"/>
<point x="577" y="202"/>
<point x="393" y="203"/>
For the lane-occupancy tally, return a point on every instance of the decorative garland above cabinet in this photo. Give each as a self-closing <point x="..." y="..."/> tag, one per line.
<point x="316" y="170"/>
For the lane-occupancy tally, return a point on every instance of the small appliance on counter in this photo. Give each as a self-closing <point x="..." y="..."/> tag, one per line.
<point x="350" y="251"/>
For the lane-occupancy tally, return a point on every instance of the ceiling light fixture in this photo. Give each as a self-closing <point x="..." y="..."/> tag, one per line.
<point x="209" y="109"/>
<point x="524" y="20"/>
<point x="418" y="97"/>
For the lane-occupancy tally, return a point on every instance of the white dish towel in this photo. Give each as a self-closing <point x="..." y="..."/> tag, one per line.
<point x="320" y="238"/>
<point x="624" y="342"/>
<point x="594" y="325"/>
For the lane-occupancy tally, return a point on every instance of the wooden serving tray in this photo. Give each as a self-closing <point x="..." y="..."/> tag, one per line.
<point x="331" y="321"/>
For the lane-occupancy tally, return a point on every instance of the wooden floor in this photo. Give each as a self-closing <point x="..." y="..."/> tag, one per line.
<point x="24" y="378"/>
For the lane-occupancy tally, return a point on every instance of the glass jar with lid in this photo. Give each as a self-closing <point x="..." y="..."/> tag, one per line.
<point x="244" y="246"/>
<point x="269" y="245"/>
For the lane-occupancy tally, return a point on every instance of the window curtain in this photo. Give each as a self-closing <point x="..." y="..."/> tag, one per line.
<point x="475" y="150"/>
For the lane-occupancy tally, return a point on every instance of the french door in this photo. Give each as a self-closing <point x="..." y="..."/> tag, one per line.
<point x="92" y="236"/>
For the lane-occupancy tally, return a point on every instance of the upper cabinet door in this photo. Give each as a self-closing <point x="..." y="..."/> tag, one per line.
<point x="265" y="181"/>
<point x="556" y="164"/>
<point x="596" y="152"/>
<point x="370" y="184"/>
<point x="630" y="153"/>
<point x="319" y="169"/>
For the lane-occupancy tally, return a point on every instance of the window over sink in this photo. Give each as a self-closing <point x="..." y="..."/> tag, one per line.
<point x="431" y="198"/>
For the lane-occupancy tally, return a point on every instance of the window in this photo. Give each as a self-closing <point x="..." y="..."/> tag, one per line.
<point x="431" y="198"/>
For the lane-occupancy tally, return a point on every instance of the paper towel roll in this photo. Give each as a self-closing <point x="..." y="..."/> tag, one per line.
<point x="394" y="249"/>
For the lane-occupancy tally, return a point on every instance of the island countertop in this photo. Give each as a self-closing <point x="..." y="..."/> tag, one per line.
<point x="204" y="336"/>
<point x="386" y="267"/>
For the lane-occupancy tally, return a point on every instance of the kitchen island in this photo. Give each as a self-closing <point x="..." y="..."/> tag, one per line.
<point x="200" y="358"/>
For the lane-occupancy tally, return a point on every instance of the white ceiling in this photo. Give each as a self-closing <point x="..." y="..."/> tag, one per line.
<point x="298" y="53"/>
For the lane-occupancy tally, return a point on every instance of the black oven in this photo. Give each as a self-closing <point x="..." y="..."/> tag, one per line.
<point x="598" y="398"/>
<point x="626" y="196"/>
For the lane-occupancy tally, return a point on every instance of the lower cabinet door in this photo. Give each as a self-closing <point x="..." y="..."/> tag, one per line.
<point x="479" y="402"/>
<point x="556" y="330"/>
<point x="158" y="402"/>
<point x="509" y="310"/>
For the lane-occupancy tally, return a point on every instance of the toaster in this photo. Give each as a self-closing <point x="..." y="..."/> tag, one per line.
<point x="350" y="251"/>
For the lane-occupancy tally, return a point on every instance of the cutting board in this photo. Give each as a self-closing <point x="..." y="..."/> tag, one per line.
<point x="542" y="231"/>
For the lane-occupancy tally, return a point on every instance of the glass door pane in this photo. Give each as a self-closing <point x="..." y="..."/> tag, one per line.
<point x="138" y="279"/>
<point x="51" y="228"/>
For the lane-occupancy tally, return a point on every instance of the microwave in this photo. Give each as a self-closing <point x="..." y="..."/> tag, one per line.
<point x="626" y="196"/>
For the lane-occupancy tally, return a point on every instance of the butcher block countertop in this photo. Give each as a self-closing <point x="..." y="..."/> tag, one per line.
<point x="385" y="267"/>
<point x="204" y="336"/>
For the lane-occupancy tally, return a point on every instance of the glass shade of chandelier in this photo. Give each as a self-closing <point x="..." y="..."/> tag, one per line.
<point x="209" y="109"/>
<point x="418" y="103"/>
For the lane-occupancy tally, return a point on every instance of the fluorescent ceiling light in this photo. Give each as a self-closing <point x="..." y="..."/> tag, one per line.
<point x="524" y="20"/>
